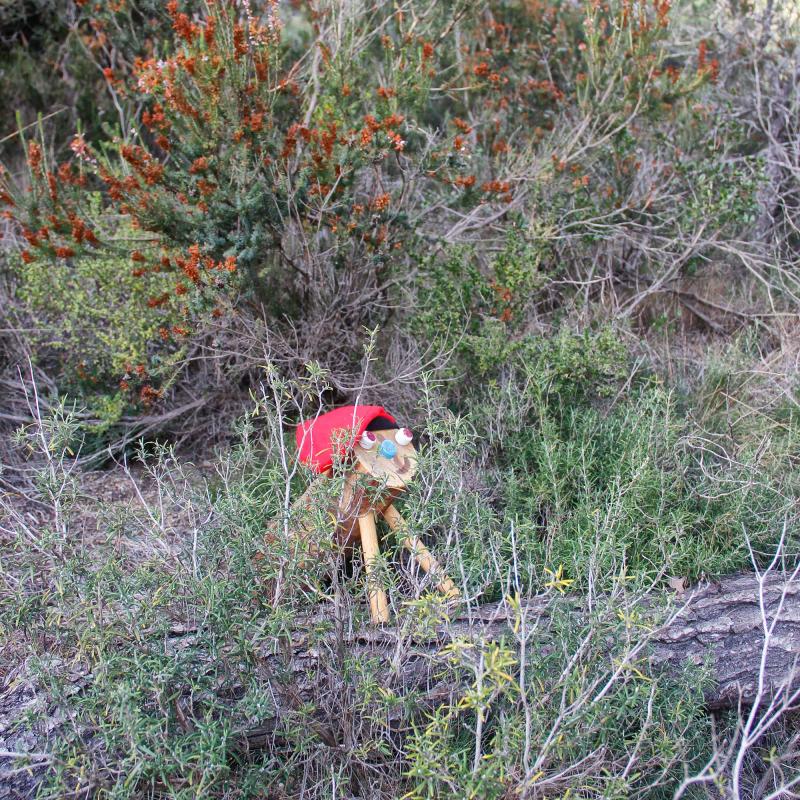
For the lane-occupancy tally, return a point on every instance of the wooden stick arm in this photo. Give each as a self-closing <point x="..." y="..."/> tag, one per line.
<point x="421" y="553"/>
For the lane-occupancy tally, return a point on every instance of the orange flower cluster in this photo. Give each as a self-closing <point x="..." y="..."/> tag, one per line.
<point x="381" y="203"/>
<point x="52" y="187"/>
<point x="181" y="23"/>
<point x="397" y="141"/>
<point x="502" y="188"/>
<point x="322" y="141"/>
<point x="500" y="146"/>
<point x="662" y="8"/>
<point x="156" y="119"/>
<point x="496" y="187"/>
<point x="64" y="223"/>
<point x="158" y="300"/>
<point x="143" y="163"/>
<point x="580" y="182"/>
<point x="194" y="261"/>
<point x="68" y="176"/>
<point x="148" y="395"/>
<point x="191" y="265"/>
<point x="705" y="67"/>
<point x="81" y="232"/>
<point x="34" y="156"/>
<point x="546" y="88"/>
<point x="239" y="42"/>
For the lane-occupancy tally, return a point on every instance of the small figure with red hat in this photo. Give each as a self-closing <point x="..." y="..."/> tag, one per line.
<point x="380" y="454"/>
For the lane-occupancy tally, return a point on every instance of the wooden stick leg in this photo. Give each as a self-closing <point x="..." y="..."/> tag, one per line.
<point x="378" y="604"/>
<point x="421" y="553"/>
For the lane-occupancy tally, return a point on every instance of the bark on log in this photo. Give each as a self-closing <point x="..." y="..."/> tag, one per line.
<point x="738" y="623"/>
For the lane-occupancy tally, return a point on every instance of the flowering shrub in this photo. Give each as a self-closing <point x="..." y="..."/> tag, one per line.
<point x="294" y="170"/>
<point x="280" y="161"/>
<point x="262" y="179"/>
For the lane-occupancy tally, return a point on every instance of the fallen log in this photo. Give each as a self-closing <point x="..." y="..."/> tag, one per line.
<point x="744" y="630"/>
<point x="729" y="626"/>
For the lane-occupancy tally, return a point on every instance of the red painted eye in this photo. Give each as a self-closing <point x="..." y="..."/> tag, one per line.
<point x="367" y="440"/>
<point x="404" y="436"/>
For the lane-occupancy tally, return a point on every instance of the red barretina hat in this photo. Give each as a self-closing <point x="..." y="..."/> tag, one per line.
<point x="315" y="437"/>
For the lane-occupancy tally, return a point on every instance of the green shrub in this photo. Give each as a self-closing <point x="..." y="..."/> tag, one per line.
<point x="598" y="467"/>
<point x="90" y="315"/>
<point x="489" y="736"/>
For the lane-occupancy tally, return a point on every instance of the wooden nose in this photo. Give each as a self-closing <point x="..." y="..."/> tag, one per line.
<point x="402" y="463"/>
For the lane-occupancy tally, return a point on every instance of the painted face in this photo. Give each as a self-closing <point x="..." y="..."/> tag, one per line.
<point x="388" y="456"/>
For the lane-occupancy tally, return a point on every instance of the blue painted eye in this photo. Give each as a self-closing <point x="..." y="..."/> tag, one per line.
<point x="388" y="449"/>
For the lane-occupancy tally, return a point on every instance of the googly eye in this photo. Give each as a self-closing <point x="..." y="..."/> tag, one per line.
<point x="368" y="440"/>
<point x="404" y="436"/>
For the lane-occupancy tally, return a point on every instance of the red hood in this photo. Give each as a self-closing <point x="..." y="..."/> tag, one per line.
<point x="315" y="439"/>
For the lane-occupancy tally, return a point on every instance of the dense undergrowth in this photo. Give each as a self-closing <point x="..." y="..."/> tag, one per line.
<point x="178" y="625"/>
<point x="558" y="238"/>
